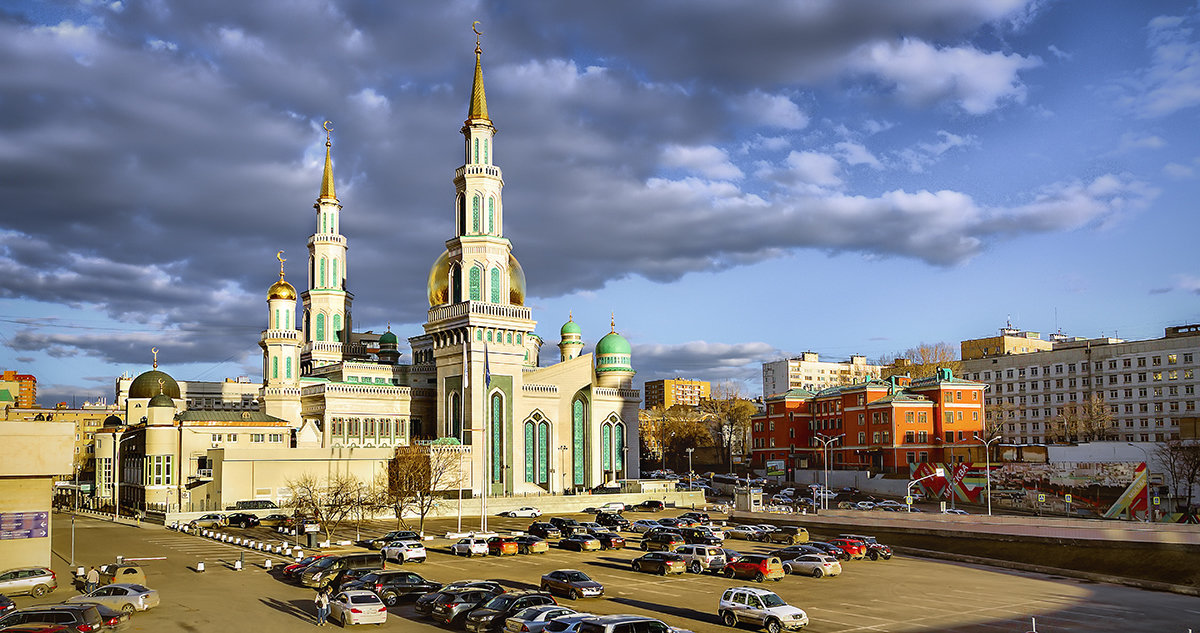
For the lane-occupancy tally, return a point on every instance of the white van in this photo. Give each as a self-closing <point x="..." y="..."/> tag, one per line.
<point x="613" y="506"/>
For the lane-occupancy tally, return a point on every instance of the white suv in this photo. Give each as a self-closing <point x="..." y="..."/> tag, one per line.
<point x="700" y="558"/>
<point x="761" y="607"/>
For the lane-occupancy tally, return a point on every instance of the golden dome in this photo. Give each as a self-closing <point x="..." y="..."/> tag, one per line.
<point x="281" y="290"/>
<point x="439" y="281"/>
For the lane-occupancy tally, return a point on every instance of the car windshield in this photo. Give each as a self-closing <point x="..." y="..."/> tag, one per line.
<point x="322" y="563"/>
<point x="772" y="600"/>
<point x="577" y="576"/>
<point x="499" y="603"/>
<point x="369" y="578"/>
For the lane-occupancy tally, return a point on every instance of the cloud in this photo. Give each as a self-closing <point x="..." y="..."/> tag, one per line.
<point x="857" y="154"/>
<point x="1059" y="53"/>
<point x="1178" y="171"/>
<point x="1183" y="283"/>
<point x="1172" y="80"/>
<point x="1132" y="141"/>
<point x="922" y="155"/>
<point x="762" y="109"/>
<point x="920" y="73"/>
<point x="708" y="161"/>
<point x="814" y="168"/>
<point x="716" y="362"/>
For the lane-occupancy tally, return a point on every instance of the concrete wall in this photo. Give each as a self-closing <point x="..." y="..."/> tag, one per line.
<point x="874" y="484"/>
<point x="33" y="453"/>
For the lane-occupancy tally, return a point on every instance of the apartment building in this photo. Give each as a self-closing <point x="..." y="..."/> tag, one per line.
<point x="1146" y="386"/>
<point x="670" y="392"/>
<point x="18" y="389"/>
<point x="807" y="371"/>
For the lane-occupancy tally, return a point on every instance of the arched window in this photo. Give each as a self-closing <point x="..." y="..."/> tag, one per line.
<point x="495" y="285"/>
<point x="337" y="327"/>
<point x="324" y="222"/>
<point x="485" y="152"/>
<point x="289" y="367"/>
<point x="476" y="282"/>
<point x="336" y="281"/>
<point x="460" y="204"/>
<point x="322" y="281"/>
<point x="606" y="446"/>
<point x="530" y="452"/>
<point x="456" y="417"/>
<point x="274" y="366"/>
<point x="475" y="214"/>
<point x="491" y="215"/>
<point x="455" y="283"/>
<point x="497" y="438"/>
<point x="543" y="449"/>
<point x="476" y="151"/>
<point x="320" y="327"/>
<point x="276" y="325"/>
<point x="578" y="427"/>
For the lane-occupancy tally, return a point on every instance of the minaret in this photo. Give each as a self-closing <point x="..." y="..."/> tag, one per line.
<point x="572" y="339"/>
<point x="327" y="321"/>
<point x="280" y="342"/>
<point x="614" y="360"/>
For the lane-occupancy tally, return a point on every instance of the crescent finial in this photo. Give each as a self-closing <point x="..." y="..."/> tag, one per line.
<point x="154" y="350"/>
<point x="328" y="127"/>
<point x="477" y="34"/>
<point x="281" y="259"/>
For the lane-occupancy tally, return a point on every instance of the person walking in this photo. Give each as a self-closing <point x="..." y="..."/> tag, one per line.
<point x="322" y="602"/>
<point x="91" y="580"/>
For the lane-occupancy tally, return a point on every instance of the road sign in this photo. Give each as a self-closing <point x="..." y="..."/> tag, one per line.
<point x="1156" y="501"/>
<point x="940" y="472"/>
<point x="908" y="499"/>
<point x="1042" y="497"/>
<point x="1067" y="498"/>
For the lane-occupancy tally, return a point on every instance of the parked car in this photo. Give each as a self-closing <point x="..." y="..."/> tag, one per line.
<point x="347" y="577"/>
<point x="642" y="526"/>
<point x="35" y="581"/>
<point x="889" y="503"/>
<point x="955" y="511"/>
<point x="530" y="544"/>
<point x="562" y="522"/>
<point x="302" y="524"/>
<point x="580" y="543"/>
<point x="756" y="567"/>
<point x="404" y="552"/>
<point x="242" y="520"/>
<point x="492" y="614"/>
<point x="469" y="547"/>
<point x="792" y="551"/>
<point x="392" y="586"/>
<point x="609" y="540"/>
<point x="6" y="604"/>
<point x="626" y="624"/>
<point x="612" y="506"/>
<point x="80" y="618"/>
<point x="815" y="565"/>
<point x="535" y="619"/>
<point x="122" y="597"/>
<point x="864" y="505"/>
<point x="701" y="558"/>
<point x="571" y="583"/>
<point x="745" y="532"/>
<point x="759" y="607"/>
<point x="875" y="549"/>
<point x="210" y="520"/>
<point x="357" y="607"/>
<point x="325" y="570"/>
<point x="731" y="555"/>
<point x="650" y="505"/>
<point x="296" y="569"/>
<point x="661" y="541"/>
<point x="701" y="517"/>
<point x="661" y="563"/>
<point x="591" y="527"/>
<point x="855" y="548"/>
<point x="273" y="520"/>
<point x="830" y="549"/>
<point x="527" y="511"/>
<point x="615" y="521"/>
<point x="425" y="603"/>
<point x="393" y="536"/>
<point x="502" y="546"/>
<point x="452" y="607"/>
<point x="565" y="623"/>
<point x="700" y="536"/>
<point x="781" y="500"/>
<point x="545" y="530"/>
<point x="788" y="492"/>
<point x="789" y="534"/>
<point x="122" y="572"/>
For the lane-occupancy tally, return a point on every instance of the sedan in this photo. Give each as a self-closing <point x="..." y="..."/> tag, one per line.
<point x="529" y="544"/>
<point x="609" y="540"/>
<point x="470" y="547"/>
<point x="122" y="597"/>
<point x="6" y="604"/>
<point x="452" y="607"/>
<point x="815" y="565"/>
<point x="393" y="586"/>
<point x="642" y="526"/>
<point x="566" y="623"/>
<point x="296" y="569"/>
<point x="528" y="511"/>
<point x="545" y="530"/>
<point x="661" y="563"/>
<point x="273" y="520"/>
<point x="404" y="551"/>
<point x="830" y="549"/>
<point x="357" y="607"/>
<point x="571" y="583"/>
<point x="426" y="603"/>
<point x="954" y="511"/>
<point x="242" y="520"/>
<point x="535" y="619"/>
<point x="580" y="543"/>
<point x="744" y="532"/>
<point x="502" y="546"/>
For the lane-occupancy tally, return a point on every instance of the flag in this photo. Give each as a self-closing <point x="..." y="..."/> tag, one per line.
<point x="466" y="378"/>
<point x="487" y="370"/>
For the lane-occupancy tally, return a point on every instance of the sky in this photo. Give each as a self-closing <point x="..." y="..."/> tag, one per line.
<point x="732" y="183"/>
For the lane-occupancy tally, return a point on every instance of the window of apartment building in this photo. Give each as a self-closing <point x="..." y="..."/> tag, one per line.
<point x="1099" y="365"/>
<point x="1114" y="408"/>
<point x="862" y="437"/>
<point x="1173" y="375"/>
<point x="792" y="433"/>
<point x="987" y="375"/>
<point x="772" y="442"/>
<point x="1189" y="405"/>
<point x="1058" y="384"/>
<point x="884" y="416"/>
<point x="1010" y="387"/>
<point x="1071" y="368"/>
<point x="1171" y="359"/>
<point x="1035" y="399"/>
<point x="1008" y="374"/>
<point x="771" y="425"/>
<point x="1144" y="407"/>
<point x="862" y="418"/>
<point x="1024" y="427"/>
<point x="232" y="437"/>
<point x="911" y="457"/>
<point x="924" y="457"/>
<point x="875" y="437"/>
<point x="975" y="416"/>
<point x="1157" y="376"/>
<point x="1156" y="360"/>
<point x="909" y="437"/>
<point x="1012" y="428"/>
<point x="257" y="437"/>
<point x="922" y="436"/>
<point x="1158" y="392"/>
<point x="1187" y="358"/>
<point x="1127" y="362"/>
<point x="1189" y="389"/>
<point x="1142" y="361"/>
<point x="887" y="437"/>
<point x="1187" y="373"/>
<point x="1129" y="408"/>
<point x="949" y="436"/>
<point x="1071" y="382"/>
<point x="1058" y="369"/>
<point x="1173" y="390"/>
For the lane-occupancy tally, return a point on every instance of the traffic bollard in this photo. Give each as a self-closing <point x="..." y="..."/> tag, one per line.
<point x="237" y="565"/>
<point x="267" y="564"/>
<point x="200" y="566"/>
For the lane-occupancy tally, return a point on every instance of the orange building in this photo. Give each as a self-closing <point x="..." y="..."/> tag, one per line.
<point x="21" y="389"/>
<point x="876" y="425"/>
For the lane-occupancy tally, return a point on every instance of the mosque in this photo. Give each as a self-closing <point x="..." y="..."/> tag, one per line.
<point x="473" y="377"/>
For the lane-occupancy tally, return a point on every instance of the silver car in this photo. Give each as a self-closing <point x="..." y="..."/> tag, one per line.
<point x="35" y="581"/>
<point x="124" y="597"/>
<point x="534" y="619"/>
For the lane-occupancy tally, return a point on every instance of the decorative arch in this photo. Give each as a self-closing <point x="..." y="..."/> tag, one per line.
<point x="578" y="439"/>
<point x="475" y="214"/>
<point x="476" y="151"/>
<point x="455" y="283"/>
<point x="321" y="283"/>
<point x="320" y="327"/>
<point x="455" y="406"/>
<point x="460" y="212"/>
<point x="494" y="285"/>
<point x="337" y="327"/>
<point x="486" y="161"/>
<point x="496" y="420"/>
<point x="492" y="215"/>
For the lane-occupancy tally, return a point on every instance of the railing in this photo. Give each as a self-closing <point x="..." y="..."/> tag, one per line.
<point x="540" y="388"/>
<point x="360" y="389"/>
<point x="326" y="238"/>
<point x="286" y="334"/>
<point x="617" y="393"/>
<point x="455" y="310"/>
<point x="341" y="348"/>
<point x="204" y="473"/>
<point x="472" y="170"/>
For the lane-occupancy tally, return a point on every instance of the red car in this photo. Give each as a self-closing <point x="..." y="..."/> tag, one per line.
<point x="295" y="569"/>
<point x="855" y="548"/>
<point x="502" y="546"/>
<point x="756" y="567"/>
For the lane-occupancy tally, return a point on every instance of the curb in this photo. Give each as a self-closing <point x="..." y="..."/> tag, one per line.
<point x="1152" y="585"/>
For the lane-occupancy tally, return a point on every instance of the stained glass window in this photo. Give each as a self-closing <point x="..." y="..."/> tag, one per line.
<point x="530" y="454"/>
<point x="497" y="437"/>
<point x="577" y="427"/>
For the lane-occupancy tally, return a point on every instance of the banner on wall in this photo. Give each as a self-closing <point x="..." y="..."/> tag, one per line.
<point x="775" y="468"/>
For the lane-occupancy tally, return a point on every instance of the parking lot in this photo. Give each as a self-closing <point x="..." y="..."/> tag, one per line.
<point x="903" y="594"/>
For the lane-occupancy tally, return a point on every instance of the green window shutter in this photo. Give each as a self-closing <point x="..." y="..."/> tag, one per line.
<point x="274" y="366"/>
<point x="289" y="367"/>
<point x="335" y="282"/>
<point x="619" y="446"/>
<point x="543" y="452"/>
<point x="485" y="152"/>
<point x="337" y="327"/>
<point x="577" y="428"/>
<point x="529" y="452"/>
<point x="476" y="294"/>
<point x="495" y="283"/>
<point x="475" y="214"/>
<point x="476" y="151"/>
<point x="492" y="215"/>
<point x="321" y="283"/>
<point x="606" y="446"/>
<point x="320" y="327"/>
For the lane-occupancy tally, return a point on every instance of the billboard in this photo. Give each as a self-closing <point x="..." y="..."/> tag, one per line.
<point x="775" y="468"/>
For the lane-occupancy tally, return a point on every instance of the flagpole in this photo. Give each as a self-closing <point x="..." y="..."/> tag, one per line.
<point x="462" y="405"/>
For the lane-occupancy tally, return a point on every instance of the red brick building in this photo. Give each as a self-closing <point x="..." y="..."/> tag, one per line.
<point x="21" y="388"/>
<point x="879" y="425"/>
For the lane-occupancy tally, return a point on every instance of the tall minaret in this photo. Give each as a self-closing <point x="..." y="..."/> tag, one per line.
<point x="327" y="321"/>
<point x="280" y="342"/>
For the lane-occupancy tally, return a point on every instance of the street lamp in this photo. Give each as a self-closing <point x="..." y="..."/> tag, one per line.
<point x="562" y="453"/>
<point x="826" y="441"/>
<point x="937" y="472"/>
<point x="987" y="461"/>
<point x="689" y="452"/>
<point x="1147" y="456"/>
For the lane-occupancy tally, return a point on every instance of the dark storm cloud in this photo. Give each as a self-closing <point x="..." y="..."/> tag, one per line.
<point x="717" y="362"/>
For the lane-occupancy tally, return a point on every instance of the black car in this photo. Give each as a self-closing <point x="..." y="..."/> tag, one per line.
<point x="566" y="526"/>
<point x="696" y="536"/>
<point x="80" y="617"/>
<point x="650" y="505"/>
<point x="545" y="530"/>
<point x="657" y="531"/>
<point x="611" y="520"/>
<point x="395" y="535"/>
<point x="793" y="552"/>
<point x="580" y="542"/>
<point x="347" y="577"/>
<point x="6" y="604"/>
<point x="426" y="602"/>
<point x="702" y="517"/>
<point x="672" y="522"/>
<point x="662" y="563"/>
<point x="609" y="540"/>
<point x="242" y="520"/>
<point x="830" y="549"/>
<point x="394" y="586"/>
<point x="452" y="607"/>
<point x="494" y="612"/>
<point x="664" y="541"/>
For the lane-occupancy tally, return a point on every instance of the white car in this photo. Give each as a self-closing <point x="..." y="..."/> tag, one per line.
<point x="641" y="526"/>
<point x="954" y="511"/>
<point x="889" y="503"/>
<point x="815" y="565"/>
<point x="788" y="492"/>
<point x="470" y="547"/>
<point x="357" y="607"/>
<point x="404" y="551"/>
<point x="761" y="607"/>
<point x="781" y="500"/>
<point x="864" y="505"/>
<point x="527" y="511"/>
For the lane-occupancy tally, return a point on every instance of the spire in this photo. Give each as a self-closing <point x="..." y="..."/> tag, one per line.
<point x="478" y="108"/>
<point x="613" y="323"/>
<point x="154" y="350"/>
<point x="327" y="178"/>
<point x="281" y="259"/>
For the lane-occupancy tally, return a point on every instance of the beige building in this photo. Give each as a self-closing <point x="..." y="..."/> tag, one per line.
<point x="1010" y="341"/>
<point x="1147" y="386"/>
<point x="87" y="420"/>
<point x="670" y="392"/>
<point x="35" y="453"/>
<point x="807" y="371"/>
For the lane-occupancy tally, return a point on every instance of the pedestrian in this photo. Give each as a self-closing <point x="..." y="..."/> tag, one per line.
<point x="322" y="602"/>
<point x="92" y="580"/>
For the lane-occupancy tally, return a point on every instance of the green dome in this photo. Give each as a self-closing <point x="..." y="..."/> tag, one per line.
<point x="570" y="327"/>
<point x="146" y="385"/>
<point x="162" y="400"/>
<point x="613" y="343"/>
<point x="387" y="338"/>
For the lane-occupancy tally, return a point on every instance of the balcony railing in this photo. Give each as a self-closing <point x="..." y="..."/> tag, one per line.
<point x="456" y="310"/>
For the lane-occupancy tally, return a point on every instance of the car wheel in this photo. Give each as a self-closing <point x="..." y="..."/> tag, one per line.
<point x="887" y="557"/>
<point x="759" y="577"/>
<point x="128" y="609"/>
<point x="390" y="599"/>
<point x="574" y="595"/>
<point x="729" y="572"/>
<point x="874" y="555"/>
<point x="787" y="569"/>
<point x="817" y="573"/>
<point x="637" y="566"/>
<point x="774" y="626"/>
<point x="645" y="547"/>
<point x="662" y="571"/>
<point x="39" y="591"/>
<point x="729" y="618"/>
<point x="695" y="567"/>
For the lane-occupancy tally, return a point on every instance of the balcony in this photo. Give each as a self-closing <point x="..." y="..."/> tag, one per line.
<point x="202" y="474"/>
<point x="478" y="170"/>
<point x="482" y="308"/>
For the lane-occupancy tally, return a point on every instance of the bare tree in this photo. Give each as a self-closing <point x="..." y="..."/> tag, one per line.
<point x="1181" y="460"/>
<point x="1085" y="421"/>
<point x="729" y="414"/>
<point x="924" y="360"/>
<point x="683" y="427"/>
<point x="418" y="480"/>
<point x="330" y="501"/>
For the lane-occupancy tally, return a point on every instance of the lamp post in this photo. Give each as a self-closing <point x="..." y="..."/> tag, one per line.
<point x="937" y="472"/>
<point x="987" y="466"/>
<point x="1147" y="456"/>
<point x="689" y="452"/>
<point x="562" y="454"/>
<point x="826" y="441"/>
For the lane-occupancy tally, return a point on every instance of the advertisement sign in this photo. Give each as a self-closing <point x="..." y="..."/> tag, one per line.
<point x="775" y="468"/>
<point x="14" y="525"/>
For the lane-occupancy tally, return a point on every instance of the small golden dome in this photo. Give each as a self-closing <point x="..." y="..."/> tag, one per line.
<point x="281" y="290"/>
<point x="439" y="281"/>
<point x="516" y="282"/>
